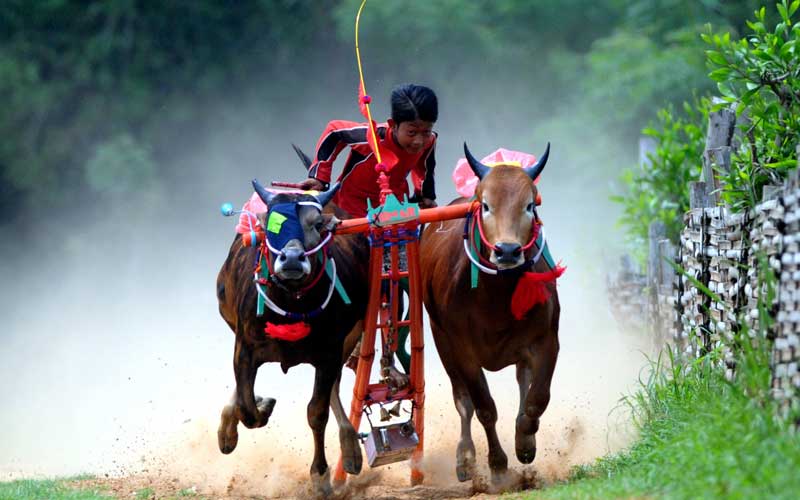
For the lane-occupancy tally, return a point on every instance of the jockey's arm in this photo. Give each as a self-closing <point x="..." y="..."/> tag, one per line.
<point x="337" y="135"/>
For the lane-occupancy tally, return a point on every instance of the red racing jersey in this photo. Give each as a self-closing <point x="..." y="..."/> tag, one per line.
<point x="358" y="179"/>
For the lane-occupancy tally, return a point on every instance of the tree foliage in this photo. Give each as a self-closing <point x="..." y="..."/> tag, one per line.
<point x="760" y="75"/>
<point x="658" y="190"/>
<point x="98" y="95"/>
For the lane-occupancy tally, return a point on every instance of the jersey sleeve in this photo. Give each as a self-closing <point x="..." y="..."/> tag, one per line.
<point x="337" y="135"/>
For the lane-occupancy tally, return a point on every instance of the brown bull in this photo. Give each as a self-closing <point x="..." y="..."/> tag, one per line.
<point x="297" y="284"/>
<point x="474" y="328"/>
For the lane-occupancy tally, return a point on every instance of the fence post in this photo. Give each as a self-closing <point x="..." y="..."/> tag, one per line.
<point x="717" y="154"/>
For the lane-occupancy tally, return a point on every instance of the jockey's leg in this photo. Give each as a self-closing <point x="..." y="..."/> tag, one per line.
<point x="402" y="354"/>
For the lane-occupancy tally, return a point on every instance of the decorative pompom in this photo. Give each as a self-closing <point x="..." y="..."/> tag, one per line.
<point x="380" y="167"/>
<point x="531" y="290"/>
<point x="366" y="99"/>
<point x="290" y="332"/>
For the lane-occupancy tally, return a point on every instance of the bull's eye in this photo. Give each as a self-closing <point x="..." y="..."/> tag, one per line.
<point x="529" y="208"/>
<point x="485" y="207"/>
<point x="318" y="226"/>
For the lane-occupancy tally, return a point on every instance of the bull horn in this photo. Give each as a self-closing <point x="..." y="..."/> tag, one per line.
<point x="477" y="167"/>
<point x="326" y="196"/>
<point x="303" y="157"/>
<point x="535" y="170"/>
<point x="265" y="195"/>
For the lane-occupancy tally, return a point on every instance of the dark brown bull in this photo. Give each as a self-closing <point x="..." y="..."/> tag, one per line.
<point x="323" y="348"/>
<point x="474" y="328"/>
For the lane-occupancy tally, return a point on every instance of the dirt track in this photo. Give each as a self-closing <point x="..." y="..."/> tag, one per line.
<point x="367" y="487"/>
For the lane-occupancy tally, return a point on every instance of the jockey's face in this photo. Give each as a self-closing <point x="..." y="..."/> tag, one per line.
<point x="414" y="136"/>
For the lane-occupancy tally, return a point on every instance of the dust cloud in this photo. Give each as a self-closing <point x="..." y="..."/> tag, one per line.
<point x="114" y="359"/>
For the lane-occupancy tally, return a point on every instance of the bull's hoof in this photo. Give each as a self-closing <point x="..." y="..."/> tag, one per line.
<point x="265" y="407"/>
<point x="525" y="447"/>
<point x="227" y="434"/>
<point x="505" y="480"/>
<point x="321" y="484"/>
<point x="465" y="460"/>
<point x="351" y="451"/>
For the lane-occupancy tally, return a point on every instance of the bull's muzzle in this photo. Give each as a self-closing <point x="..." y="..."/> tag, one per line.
<point x="507" y="255"/>
<point x="292" y="263"/>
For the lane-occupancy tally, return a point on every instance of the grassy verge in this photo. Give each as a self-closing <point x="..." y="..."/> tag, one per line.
<point x="700" y="435"/>
<point x="41" y="489"/>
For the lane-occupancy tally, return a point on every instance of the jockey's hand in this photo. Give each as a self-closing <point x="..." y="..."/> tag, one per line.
<point x="427" y="203"/>
<point x="312" y="184"/>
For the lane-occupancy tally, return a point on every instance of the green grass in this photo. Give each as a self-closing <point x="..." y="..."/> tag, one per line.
<point x="145" y="494"/>
<point x="47" y="489"/>
<point x="700" y="436"/>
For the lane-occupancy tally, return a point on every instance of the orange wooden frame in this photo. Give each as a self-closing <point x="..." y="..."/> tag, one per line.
<point x="383" y="314"/>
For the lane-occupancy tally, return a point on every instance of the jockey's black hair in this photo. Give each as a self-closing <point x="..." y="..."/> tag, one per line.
<point x="414" y="102"/>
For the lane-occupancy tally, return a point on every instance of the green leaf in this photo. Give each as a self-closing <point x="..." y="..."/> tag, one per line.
<point x="784" y="14"/>
<point x="716" y="57"/>
<point x="725" y="89"/>
<point x="793" y="7"/>
<point x="721" y="74"/>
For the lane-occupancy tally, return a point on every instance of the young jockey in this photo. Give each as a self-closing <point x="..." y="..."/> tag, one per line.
<point x="408" y="134"/>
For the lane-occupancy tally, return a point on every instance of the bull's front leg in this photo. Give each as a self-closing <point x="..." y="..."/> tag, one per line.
<point x="245" y="406"/>
<point x="348" y="438"/>
<point x="318" y="411"/>
<point x="542" y="361"/>
<point x="524" y="444"/>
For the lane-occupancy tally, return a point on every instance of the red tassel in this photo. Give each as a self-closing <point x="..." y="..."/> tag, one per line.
<point x="531" y="290"/>
<point x="291" y="332"/>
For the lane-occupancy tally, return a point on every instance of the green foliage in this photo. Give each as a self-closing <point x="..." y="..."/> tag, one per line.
<point x="760" y="75"/>
<point x="702" y="435"/>
<point x="120" y="165"/>
<point x="658" y="191"/>
<point x="49" y="489"/>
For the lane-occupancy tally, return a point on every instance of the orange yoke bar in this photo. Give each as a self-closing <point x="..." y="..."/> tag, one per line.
<point x="427" y="215"/>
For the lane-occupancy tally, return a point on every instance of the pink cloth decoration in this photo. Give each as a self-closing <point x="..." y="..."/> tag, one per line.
<point x="247" y="219"/>
<point x="466" y="181"/>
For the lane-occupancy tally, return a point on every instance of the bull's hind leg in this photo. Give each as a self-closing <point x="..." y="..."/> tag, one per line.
<point x="486" y="411"/>
<point x="348" y="438"/>
<point x="542" y="363"/>
<point x="324" y="379"/>
<point x="245" y="407"/>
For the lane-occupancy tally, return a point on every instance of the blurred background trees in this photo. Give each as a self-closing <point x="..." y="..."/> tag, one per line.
<point x="106" y="99"/>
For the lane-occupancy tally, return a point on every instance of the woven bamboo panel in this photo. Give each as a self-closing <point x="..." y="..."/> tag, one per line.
<point x="694" y="320"/>
<point x="786" y="331"/>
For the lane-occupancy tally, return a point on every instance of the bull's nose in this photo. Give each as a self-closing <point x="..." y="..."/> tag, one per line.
<point x="507" y="252"/>
<point x="292" y="255"/>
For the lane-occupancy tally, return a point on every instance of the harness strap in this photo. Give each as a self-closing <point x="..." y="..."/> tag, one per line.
<point x="293" y="315"/>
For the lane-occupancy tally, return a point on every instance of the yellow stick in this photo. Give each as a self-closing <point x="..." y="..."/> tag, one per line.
<point x="363" y="86"/>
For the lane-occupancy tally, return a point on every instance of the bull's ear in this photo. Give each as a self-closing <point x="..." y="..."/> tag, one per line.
<point x="477" y="167"/>
<point x="265" y="195"/>
<point x="330" y="221"/>
<point x="535" y="170"/>
<point x="326" y="196"/>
